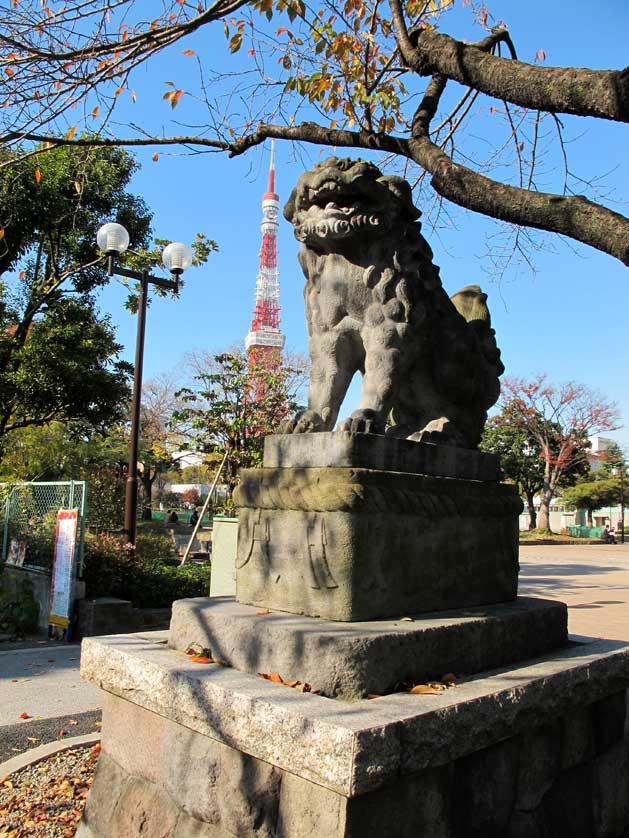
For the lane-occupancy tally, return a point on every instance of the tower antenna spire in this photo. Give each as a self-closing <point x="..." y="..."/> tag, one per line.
<point x="265" y="341"/>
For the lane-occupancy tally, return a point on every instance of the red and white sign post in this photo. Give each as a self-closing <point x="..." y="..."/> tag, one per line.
<point x="63" y="569"/>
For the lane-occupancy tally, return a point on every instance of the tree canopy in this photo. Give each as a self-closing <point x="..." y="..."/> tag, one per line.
<point x="229" y="410"/>
<point x="559" y="419"/>
<point x="592" y="495"/>
<point x="372" y="75"/>
<point x="58" y="356"/>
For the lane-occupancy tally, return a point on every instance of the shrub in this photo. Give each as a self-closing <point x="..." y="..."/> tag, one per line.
<point x="111" y="570"/>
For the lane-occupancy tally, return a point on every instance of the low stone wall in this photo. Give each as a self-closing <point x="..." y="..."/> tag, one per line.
<point x="40" y="580"/>
<point x="108" y="615"/>
<point x="537" y="751"/>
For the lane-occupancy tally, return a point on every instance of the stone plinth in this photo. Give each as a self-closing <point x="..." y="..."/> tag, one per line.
<point x="372" y="451"/>
<point x="353" y="660"/>
<point x="203" y="750"/>
<point x="359" y="544"/>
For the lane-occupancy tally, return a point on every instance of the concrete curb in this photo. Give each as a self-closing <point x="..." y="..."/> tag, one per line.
<point x="44" y="751"/>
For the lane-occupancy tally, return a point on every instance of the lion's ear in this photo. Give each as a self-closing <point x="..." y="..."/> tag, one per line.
<point x="289" y="207"/>
<point x="402" y="191"/>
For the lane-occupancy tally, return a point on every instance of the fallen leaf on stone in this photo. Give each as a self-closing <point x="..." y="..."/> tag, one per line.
<point x="98" y="724"/>
<point x="426" y="689"/>
<point x="374" y="695"/>
<point x="263" y="613"/>
<point x="275" y="677"/>
<point x="291" y="683"/>
<point x="72" y="722"/>
<point x="7" y="784"/>
<point x="200" y="659"/>
<point x="14" y="680"/>
<point x="407" y="620"/>
<point x="16" y="750"/>
<point x="33" y="739"/>
<point x="25" y="716"/>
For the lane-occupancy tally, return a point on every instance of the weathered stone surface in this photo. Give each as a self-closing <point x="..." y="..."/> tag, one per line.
<point x="357" y="747"/>
<point x="539" y="755"/>
<point x="307" y="809"/>
<point x="608" y="720"/>
<point x="568" y="804"/>
<point x="354" y="544"/>
<point x="375" y="303"/>
<point x="577" y="738"/>
<point x="419" y="804"/>
<point x="485" y="787"/>
<point x="610" y="782"/>
<point x="354" y="660"/>
<point x="373" y="451"/>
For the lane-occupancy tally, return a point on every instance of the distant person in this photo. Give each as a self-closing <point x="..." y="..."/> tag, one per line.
<point x="609" y="536"/>
<point x="194" y="518"/>
<point x="171" y="517"/>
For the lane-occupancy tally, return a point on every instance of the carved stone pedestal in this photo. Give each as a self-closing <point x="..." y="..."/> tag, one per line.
<point x="204" y="751"/>
<point x="531" y="741"/>
<point x="360" y="543"/>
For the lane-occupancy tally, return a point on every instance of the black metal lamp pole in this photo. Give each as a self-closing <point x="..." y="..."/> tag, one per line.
<point x="113" y="240"/>
<point x="622" y="505"/>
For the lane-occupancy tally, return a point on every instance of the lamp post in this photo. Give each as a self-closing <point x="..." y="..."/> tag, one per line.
<point x="622" y="471"/>
<point x="113" y="240"/>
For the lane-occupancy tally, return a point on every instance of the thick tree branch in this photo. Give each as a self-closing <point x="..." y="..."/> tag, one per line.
<point x="573" y="90"/>
<point x="573" y="216"/>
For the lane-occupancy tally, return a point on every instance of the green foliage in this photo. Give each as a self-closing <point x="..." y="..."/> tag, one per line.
<point x="145" y="579"/>
<point x="58" y="357"/>
<point x="235" y="407"/>
<point x="592" y="495"/>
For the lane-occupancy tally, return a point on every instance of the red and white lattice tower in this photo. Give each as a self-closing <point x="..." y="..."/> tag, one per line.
<point x="265" y="341"/>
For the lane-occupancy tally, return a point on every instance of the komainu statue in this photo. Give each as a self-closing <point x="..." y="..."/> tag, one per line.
<point x="375" y="304"/>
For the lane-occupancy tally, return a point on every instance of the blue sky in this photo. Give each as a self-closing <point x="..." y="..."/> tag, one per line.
<point x="568" y="319"/>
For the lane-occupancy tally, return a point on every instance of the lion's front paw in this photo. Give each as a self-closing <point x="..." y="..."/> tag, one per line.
<point x="362" y="422"/>
<point x="306" y="422"/>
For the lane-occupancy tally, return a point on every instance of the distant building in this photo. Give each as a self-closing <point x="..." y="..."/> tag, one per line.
<point x="182" y="488"/>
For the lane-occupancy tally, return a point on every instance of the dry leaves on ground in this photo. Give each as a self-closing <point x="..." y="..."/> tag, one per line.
<point x="300" y="686"/>
<point x="46" y="800"/>
<point x="434" y="687"/>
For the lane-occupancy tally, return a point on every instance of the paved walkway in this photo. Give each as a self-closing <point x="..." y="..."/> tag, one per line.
<point x="592" y="579"/>
<point x="43" y="682"/>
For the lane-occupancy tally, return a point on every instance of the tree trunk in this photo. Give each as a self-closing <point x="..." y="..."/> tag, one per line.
<point x="590" y="519"/>
<point x="544" y="511"/>
<point x="532" y="512"/>
<point x="147" y="486"/>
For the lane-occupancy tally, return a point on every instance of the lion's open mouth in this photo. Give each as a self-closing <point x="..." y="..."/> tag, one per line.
<point x="333" y="210"/>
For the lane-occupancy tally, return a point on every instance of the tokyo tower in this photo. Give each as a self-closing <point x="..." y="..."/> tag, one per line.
<point x="265" y="341"/>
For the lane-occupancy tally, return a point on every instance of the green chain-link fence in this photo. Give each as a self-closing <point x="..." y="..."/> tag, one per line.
<point x="30" y="516"/>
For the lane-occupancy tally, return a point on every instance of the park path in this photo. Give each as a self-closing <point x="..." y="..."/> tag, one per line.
<point x="43" y="682"/>
<point x="593" y="579"/>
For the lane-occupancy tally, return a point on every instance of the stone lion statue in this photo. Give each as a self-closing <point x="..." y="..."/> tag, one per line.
<point x="375" y="304"/>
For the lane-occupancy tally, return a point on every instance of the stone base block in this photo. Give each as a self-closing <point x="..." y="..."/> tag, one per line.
<point x="353" y="660"/>
<point x="339" y="449"/>
<point x="205" y="751"/>
<point x="355" y="544"/>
